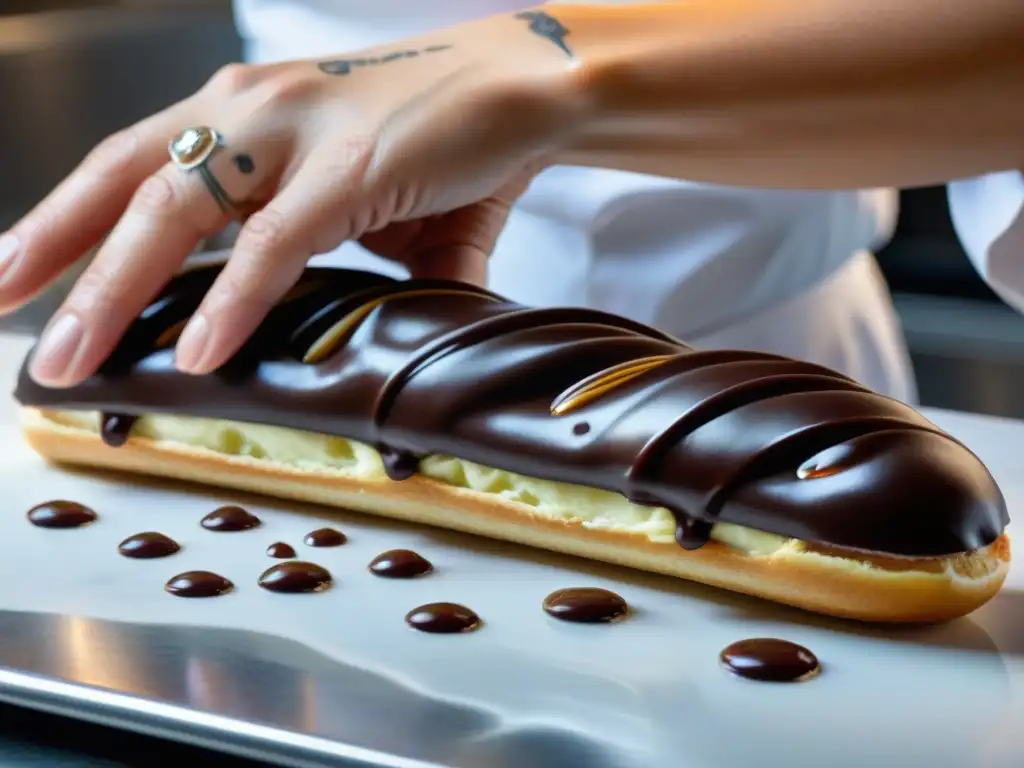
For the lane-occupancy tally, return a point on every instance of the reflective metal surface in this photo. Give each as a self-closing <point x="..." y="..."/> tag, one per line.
<point x="260" y="697"/>
<point x="190" y="684"/>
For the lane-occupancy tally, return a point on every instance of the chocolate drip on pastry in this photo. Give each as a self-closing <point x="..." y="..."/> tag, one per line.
<point x="398" y="464"/>
<point x="116" y="428"/>
<point x="572" y="395"/>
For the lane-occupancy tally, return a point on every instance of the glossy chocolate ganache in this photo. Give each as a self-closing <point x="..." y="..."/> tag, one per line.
<point x="573" y="395"/>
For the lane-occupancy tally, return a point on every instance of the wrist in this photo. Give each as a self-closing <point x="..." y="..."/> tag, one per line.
<point x="593" y="74"/>
<point x="540" y="84"/>
<point x="742" y="93"/>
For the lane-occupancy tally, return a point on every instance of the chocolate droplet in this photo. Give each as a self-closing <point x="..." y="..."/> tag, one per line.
<point x="580" y="428"/>
<point x="280" y="549"/>
<point x="325" y="537"/>
<point x="230" y="519"/>
<point x="296" y="576"/>
<point x="61" y="514"/>
<point x="442" y="618"/>
<point x="585" y="605"/>
<point x="398" y="465"/>
<point x="198" y="584"/>
<point x="770" y="660"/>
<point x="692" y="533"/>
<point x="148" y="545"/>
<point x="400" y="564"/>
<point x="115" y="428"/>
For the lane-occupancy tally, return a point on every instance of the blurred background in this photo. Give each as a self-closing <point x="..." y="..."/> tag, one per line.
<point x="73" y="71"/>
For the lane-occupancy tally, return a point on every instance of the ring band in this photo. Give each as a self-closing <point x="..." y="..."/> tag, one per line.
<point x="191" y="151"/>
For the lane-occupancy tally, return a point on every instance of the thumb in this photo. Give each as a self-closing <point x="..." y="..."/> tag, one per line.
<point x="457" y="245"/>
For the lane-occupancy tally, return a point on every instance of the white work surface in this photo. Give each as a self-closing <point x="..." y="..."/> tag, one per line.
<point x="648" y="691"/>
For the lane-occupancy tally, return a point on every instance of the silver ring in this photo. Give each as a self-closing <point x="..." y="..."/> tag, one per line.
<point x="191" y="150"/>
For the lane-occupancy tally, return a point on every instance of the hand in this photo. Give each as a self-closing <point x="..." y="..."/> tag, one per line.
<point x="417" y="149"/>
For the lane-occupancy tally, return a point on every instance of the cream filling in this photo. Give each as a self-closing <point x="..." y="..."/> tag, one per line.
<point x="591" y="507"/>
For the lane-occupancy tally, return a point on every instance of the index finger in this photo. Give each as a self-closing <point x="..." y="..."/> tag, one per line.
<point x="80" y="211"/>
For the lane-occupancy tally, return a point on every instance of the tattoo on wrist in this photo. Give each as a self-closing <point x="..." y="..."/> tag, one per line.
<point x="345" y="66"/>
<point x="547" y="26"/>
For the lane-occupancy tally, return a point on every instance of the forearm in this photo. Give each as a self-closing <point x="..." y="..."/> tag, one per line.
<point x="798" y="93"/>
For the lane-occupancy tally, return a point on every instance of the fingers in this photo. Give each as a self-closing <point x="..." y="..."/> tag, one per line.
<point x="306" y="217"/>
<point x="82" y="209"/>
<point x="312" y="215"/>
<point x="268" y="259"/>
<point x="456" y="246"/>
<point x="165" y="220"/>
<point x="168" y="215"/>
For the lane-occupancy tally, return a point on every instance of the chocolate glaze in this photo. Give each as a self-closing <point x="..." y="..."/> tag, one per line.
<point x="442" y="618"/>
<point x="148" y="545"/>
<point x="400" y="564"/>
<point x="712" y="436"/>
<point x="770" y="660"/>
<point x="296" y="576"/>
<point x="198" y="584"/>
<point x="324" y="537"/>
<point x="585" y="605"/>
<point x="115" y="428"/>
<point x="281" y="550"/>
<point x="61" y="514"/>
<point x="230" y="519"/>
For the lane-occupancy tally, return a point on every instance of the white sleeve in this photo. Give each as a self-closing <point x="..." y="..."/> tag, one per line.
<point x="988" y="213"/>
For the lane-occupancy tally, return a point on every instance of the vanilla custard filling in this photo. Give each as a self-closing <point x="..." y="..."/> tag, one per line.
<point x="592" y="507"/>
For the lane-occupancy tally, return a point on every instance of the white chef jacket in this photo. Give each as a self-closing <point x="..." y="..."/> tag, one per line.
<point x="778" y="271"/>
<point x="988" y="213"/>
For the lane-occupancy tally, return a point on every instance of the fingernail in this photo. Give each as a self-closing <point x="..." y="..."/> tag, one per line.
<point x="57" y="349"/>
<point x="192" y="344"/>
<point x="8" y="256"/>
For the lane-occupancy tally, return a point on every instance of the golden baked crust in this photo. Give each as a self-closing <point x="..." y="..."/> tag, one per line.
<point x="836" y="583"/>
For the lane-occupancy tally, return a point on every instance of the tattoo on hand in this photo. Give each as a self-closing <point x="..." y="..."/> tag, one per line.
<point x="345" y="66"/>
<point x="244" y="163"/>
<point x="547" y="26"/>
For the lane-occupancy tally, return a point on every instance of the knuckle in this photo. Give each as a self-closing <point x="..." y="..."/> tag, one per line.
<point x="154" y="196"/>
<point x="233" y="78"/>
<point x="263" y="234"/>
<point x="263" y="239"/>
